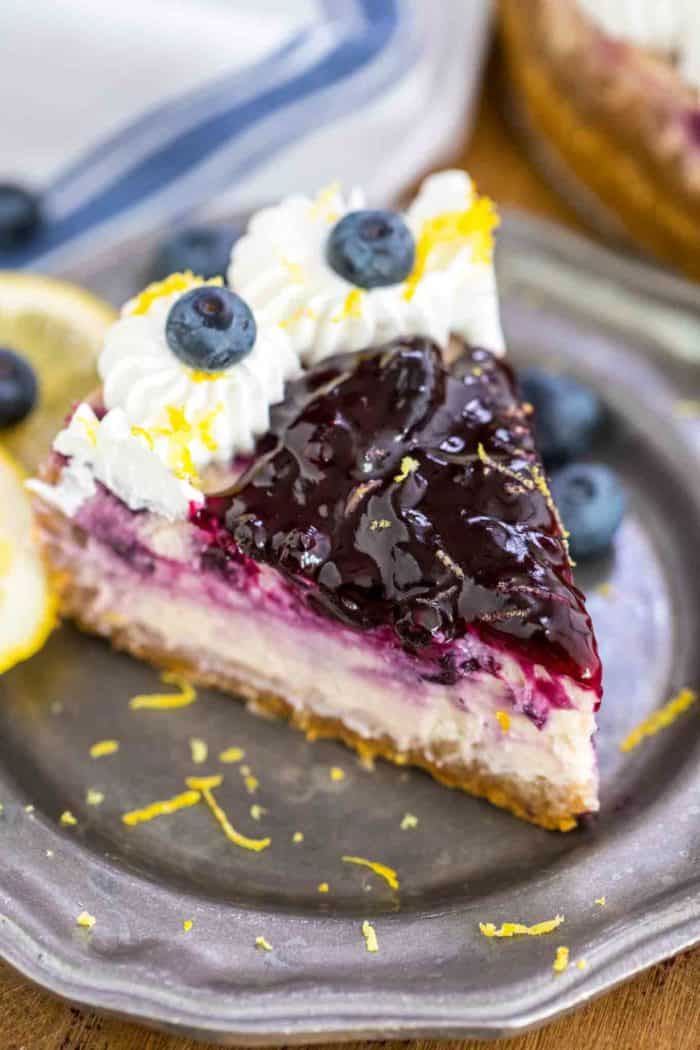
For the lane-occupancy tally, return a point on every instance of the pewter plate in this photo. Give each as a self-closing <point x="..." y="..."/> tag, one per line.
<point x="632" y="332"/>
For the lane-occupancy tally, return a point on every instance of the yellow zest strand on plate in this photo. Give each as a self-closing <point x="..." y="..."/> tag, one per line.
<point x="176" y="282"/>
<point x="162" y="809"/>
<point x="86" y="920"/>
<point x="561" y="961"/>
<point x="103" y="748"/>
<point x="660" y="719"/>
<point x="232" y="754"/>
<point x="199" y="750"/>
<point x="370" y="936"/>
<point x="514" y="929"/>
<point x="261" y="942"/>
<point x="298" y="837"/>
<point x="409" y="465"/>
<point x="323" y="887"/>
<point x="337" y="774"/>
<point x="386" y="873"/>
<point x="409" y="821"/>
<point x="94" y="797"/>
<point x="600" y="901"/>
<point x="166" y="701"/>
<point x="206" y="785"/>
<point x="67" y="819"/>
<point x="455" y="230"/>
<point x="187" y="925"/>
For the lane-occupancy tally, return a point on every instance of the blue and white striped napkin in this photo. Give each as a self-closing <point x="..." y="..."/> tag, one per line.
<point x="133" y="114"/>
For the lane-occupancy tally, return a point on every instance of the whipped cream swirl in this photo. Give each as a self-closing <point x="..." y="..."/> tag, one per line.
<point x="165" y="422"/>
<point x="280" y="269"/>
<point x="225" y="411"/>
<point x="109" y="452"/>
<point x="670" y="27"/>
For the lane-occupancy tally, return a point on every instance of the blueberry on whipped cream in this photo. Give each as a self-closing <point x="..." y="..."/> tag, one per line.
<point x="338" y="278"/>
<point x="372" y="249"/>
<point x="210" y="329"/>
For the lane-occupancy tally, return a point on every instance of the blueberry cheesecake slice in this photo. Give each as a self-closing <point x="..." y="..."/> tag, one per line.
<point x="336" y="524"/>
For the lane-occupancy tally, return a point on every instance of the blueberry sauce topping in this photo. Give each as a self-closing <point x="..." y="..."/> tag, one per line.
<point x="372" y="249"/>
<point x="397" y="494"/>
<point x="210" y="328"/>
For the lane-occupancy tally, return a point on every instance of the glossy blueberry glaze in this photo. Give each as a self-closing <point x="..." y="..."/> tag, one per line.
<point x="394" y="493"/>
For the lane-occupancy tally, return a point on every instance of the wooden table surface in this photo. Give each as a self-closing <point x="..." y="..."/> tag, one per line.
<point x="659" y="1010"/>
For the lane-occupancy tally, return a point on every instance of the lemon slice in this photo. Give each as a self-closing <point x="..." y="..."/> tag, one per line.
<point x="27" y="605"/>
<point x="59" y="328"/>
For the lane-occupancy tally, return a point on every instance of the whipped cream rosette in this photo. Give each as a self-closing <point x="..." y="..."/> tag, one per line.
<point x="180" y="394"/>
<point x="282" y="268"/>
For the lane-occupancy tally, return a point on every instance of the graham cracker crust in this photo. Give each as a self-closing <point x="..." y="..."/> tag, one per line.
<point x="536" y="801"/>
<point x="607" y="122"/>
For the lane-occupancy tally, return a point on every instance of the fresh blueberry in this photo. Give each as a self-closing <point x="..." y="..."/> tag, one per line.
<point x="371" y="249"/>
<point x="592" y="502"/>
<point x="567" y="414"/>
<point x="210" y="328"/>
<point x="18" y="388"/>
<point x="20" y="214"/>
<point x="205" y="250"/>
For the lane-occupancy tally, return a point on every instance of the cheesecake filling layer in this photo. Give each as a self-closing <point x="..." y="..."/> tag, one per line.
<point x="472" y="702"/>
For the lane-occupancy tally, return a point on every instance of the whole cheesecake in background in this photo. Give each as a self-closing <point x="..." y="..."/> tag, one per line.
<point x="610" y="91"/>
<point x="319" y="491"/>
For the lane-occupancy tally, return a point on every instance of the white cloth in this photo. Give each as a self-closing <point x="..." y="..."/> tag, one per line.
<point x="129" y="115"/>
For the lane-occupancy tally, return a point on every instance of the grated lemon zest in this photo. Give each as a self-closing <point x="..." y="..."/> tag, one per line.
<point x="298" y="315"/>
<point x="103" y="748"/>
<point x="322" y="206"/>
<point x="512" y="929"/>
<point x="483" y="455"/>
<point x="187" y="925"/>
<point x="257" y="811"/>
<point x="351" y="308"/>
<point x="660" y="719"/>
<point x="166" y="701"/>
<point x="409" y="821"/>
<point x="137" y="431"/>
<point x="370" y="935"/>
<point x="86" y="920"/>
<point x="385" y="872"/>
<point x="181" y="433"/>
<point x="162" y="808"/>
<point x="260" y="942"/>
<point x="295" y="271"/>
<point x="232" y="754"/>
<point x="379" y="523"/>
<point x="337" y="774"/>
<point x="454" y="230"/>
<point x="581" y="964"/>
<point x="600" y="901"/>
<point x="409" y="465"/>
<point x="561" y="961"/>
<point x="67" y="819"/>
<point x="206" y="786"/>
<point x="298" y="836"/>
<point x="205" y="783"/>
<point x="503" y="719"/>
<point x="176" y="282"/>
<point x="323" y="887"/>
<point x="196" y="375"/>
<point x="251" y="783"/>
<point x="93" y="797"/>
<point x="199" y="750"/>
